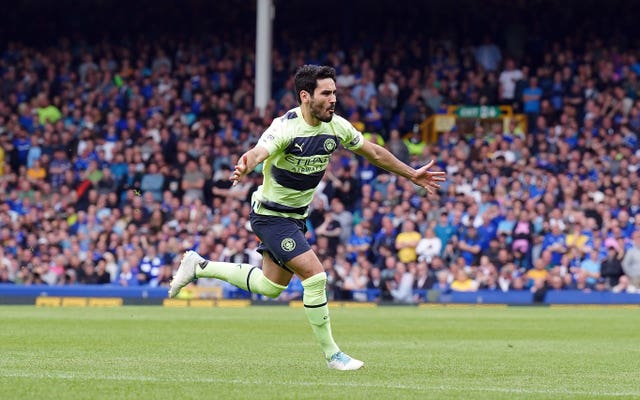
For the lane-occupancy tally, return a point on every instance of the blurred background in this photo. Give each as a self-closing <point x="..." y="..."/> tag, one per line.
<point x="120" y="121"/>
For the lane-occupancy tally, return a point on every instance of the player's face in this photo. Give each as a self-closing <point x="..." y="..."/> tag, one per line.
<point x="323" y="101"/>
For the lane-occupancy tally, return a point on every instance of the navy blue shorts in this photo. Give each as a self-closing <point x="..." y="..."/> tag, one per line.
<point x="282" y="238"/>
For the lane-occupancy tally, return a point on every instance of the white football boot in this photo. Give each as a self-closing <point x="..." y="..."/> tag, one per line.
<point x="343" y="362"/>
<point x="186" y="272"/>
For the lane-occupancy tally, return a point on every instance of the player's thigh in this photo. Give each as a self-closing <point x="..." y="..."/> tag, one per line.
<point x="305" y="265"/>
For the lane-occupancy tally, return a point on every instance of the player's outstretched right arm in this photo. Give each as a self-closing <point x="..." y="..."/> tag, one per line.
<point x="248" y="162"/>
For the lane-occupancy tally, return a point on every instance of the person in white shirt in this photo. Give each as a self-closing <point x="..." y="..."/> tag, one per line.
<point x="507" y="82"/>
<point x="429" y="246"/>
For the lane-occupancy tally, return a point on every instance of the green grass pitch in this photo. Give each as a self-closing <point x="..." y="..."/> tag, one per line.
<point x="268" y="352"/>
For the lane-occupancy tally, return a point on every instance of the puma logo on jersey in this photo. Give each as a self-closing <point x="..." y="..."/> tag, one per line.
<point x="298" y="146"/>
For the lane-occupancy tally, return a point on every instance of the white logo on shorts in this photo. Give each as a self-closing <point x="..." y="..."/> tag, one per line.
<point x="288" y="244"/>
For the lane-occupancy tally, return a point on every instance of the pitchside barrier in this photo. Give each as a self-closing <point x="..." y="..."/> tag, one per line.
<point x="226" y="296"/>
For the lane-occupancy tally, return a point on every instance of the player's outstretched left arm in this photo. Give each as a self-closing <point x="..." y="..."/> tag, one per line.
<point x="383" y="158"/>
<point x="428" y="179"/>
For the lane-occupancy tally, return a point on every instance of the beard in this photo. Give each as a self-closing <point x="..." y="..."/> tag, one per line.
<point x="321" y="113"/>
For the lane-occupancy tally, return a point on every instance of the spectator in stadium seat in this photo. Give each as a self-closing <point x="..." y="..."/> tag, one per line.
<point x="555" y="242"/>
<point x="518" y="283"/>
<point x="424" y="276"/>
<point x="36" y="172"/>
<point x="331" y="229"/>
<point x="576" y="237"/>
<point x="611" y="266"/>
<point x="469" y="246"/>
<point x="107" y="182"/>
<point x="192" y="182"/>
<point x="429" y="246"/>
<point x="359" y="242"/>
<point x="4" y="274"/>
<point x="102" y="275"/>
<point x="508" y="78"/>
<point x="443" y="279"/>
<point x="164" y="276"/>
<point x="625" y="223"/>
<point x="486" y="274"/>
<point x="631" y="264"/>
<point x="531" y="99"/>
<point x="401" y="286"/>
<point x="346" y="187"/>
<point x="522" y="235"/>
<point x="88" y="274"/>
<point x="463" y="283"/>
<point x="406" y="242"/>
<point x="364" y="90"/>
<point x="410" y="112"/>
<point x="152" y="182"/>
<point x="488" y="54"/>
<point x="493" y="252"/>
<point x="375" y="280"/>
<point x="539" y="272"/>
<point x="344" y="217"/>
<point x="385" y="237"/>
<point x="388" y="95"/>
<point x="397" y="146"/>
<point x="345" y="80"/>
<point x="357" y="280"/>
<point x="373" y="116"/>
<point x="444" y="229"/>
<point x="414" y="143"/>
<point x="505" y="277"/>
<point x="590" y="267"/>
<point x="127" y="276"/>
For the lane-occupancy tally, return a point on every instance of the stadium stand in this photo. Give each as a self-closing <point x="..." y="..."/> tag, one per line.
<point x="115" y="152"/>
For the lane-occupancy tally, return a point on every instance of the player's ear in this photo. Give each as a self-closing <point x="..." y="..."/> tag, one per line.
<point x="304" y="96"/>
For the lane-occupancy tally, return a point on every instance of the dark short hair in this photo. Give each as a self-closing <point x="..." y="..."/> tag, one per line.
<point x="307" y="77"/>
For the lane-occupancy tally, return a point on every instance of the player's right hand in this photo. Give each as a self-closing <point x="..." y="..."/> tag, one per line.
<point x="240" y="170"/>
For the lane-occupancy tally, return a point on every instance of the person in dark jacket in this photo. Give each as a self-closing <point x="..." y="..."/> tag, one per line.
<point x="611" y="266"/>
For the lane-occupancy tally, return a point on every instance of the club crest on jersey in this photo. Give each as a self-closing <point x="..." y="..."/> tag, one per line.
<point x="288" y="244"/>
<point x="330" y="145"/>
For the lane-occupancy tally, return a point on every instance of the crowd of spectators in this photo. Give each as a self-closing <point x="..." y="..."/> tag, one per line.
<point x="115" y="159"/>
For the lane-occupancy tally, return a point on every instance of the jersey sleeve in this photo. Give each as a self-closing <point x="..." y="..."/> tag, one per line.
<point x="274" y="138"/>
<point x="349" y="136"/>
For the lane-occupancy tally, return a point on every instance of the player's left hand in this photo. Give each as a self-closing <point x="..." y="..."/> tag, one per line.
<point x="428" y="179"/>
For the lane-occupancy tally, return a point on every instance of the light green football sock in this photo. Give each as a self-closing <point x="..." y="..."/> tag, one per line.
<point x="244" y="276"/>
<point x="317" y="310"/>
